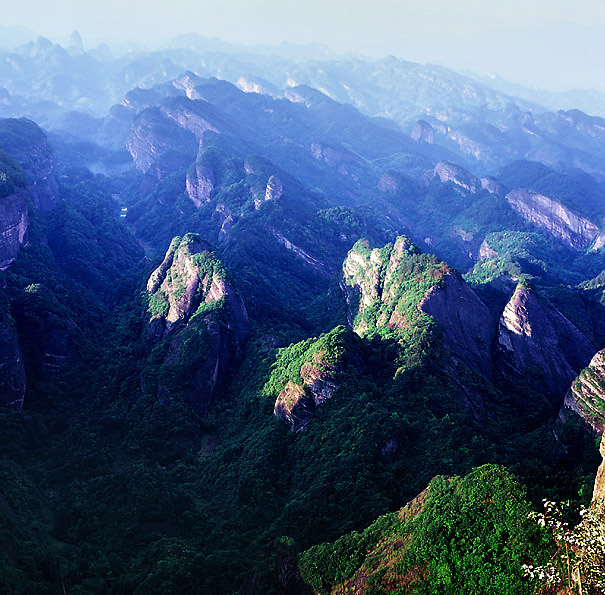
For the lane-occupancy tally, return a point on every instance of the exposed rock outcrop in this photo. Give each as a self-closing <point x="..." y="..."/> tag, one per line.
<point x="423" y="132"/>
<point x="14" y="223"/>
<point x="329" y="359"/>
<point x="189" y="119"/>
<point x="493" y="186"/>
<point x="599" y="242"/>
<point x="598" y="492"/>
<point x="463" y="179"/>
<point x="158" y="145"/>
<point x="533" y="333"/>
<point x="465" y="320"/>
<point x="76" y="47"/>
<point x="255" y="84"/>
<point x="384" y="279"/>
<point x="336" y="158"/>
<point x="200" y="184"/>
<point x="586" y="396"/>
<point x="389" y="182"/>
<point x="199" y="319"/>
<point x="586" y="400"/>
<point x="187" y="82"/>
<point x="549" y="214"/>
<point x="302" y="254"/>
<point x="12" y="372"/>
<point x="274" y="189"/>
<point x="47" y="332"/>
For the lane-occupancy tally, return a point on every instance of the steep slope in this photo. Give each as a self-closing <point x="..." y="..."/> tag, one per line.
<point x="315" y="370"/>
<point x="25" y="142"/>
<point x="432" y="543"/>
<point x="397" y="284"/>
<point x="12" y="371"/>
<point x="586" y="400"/>
<point x="198" y="324"/>
<point x="14" y="214"/>
<point x="586" y="396"/>
<point x="534" y="334"/>
<point x="549" y="214"/>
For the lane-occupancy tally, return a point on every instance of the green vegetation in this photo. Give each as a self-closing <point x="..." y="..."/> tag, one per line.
<point x="11" y="175"/>
<point x="466" y="535"/>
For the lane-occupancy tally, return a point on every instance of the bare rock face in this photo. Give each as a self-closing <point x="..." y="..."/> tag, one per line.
<point x="464" y="180"/>
<point x="76" y="46"/>
<point x="549" y="214"/>
<point x="274" y="189"/>
<point x="423" y="132"/>
<point x="255" y="84"/>
<point x="295" y="406"/>
<point x="14" y="223"/>
<point x="598" y="243"/>
<point x="599" y="484"/>
<point x="12" y="372"/>
<point x="586" y="399"/>
<point x="493" y="186"/>
<point x="197" y="318"/>
<point x="200" y="184"/>
<point x="46" y="331"/>
<point x="532" y="333"/>
<point x="189" y="119"/>
<point x="158" y="145"/>
<point x="187" y="82"/>
<point x="586" y="396"/>
<point x="338" y="159"/>
<point x="465" y="319"/>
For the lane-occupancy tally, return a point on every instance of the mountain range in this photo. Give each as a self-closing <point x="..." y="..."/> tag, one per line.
<point x="254" y="303"/>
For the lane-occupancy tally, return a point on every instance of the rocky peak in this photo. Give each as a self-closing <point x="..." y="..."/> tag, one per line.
<point x="493" y="186"/>
<point x="199" y="318"/>
<point x="158" y="145"/>
<point x="586" y="396"/>
<point x="549" y="214"/>
<point x="463" y="179"/>
<point x="336" y="158"/>
<point x="423" y="132"/>
<point x="188" y="82"/>
<point x="323" y="364"/>
<point x="393" y="286"/>
<point x="189" y="118"/>
<point x="175" y="283"/>
<point x="255" y="84"/>
<point x="465" y="320"/>
<point x="75" y="43"/>
<point x="533" y="333"/>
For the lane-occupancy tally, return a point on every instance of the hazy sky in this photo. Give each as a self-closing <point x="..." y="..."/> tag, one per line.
<point x="462" y="33"/>
<point x="345" y="25"/>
